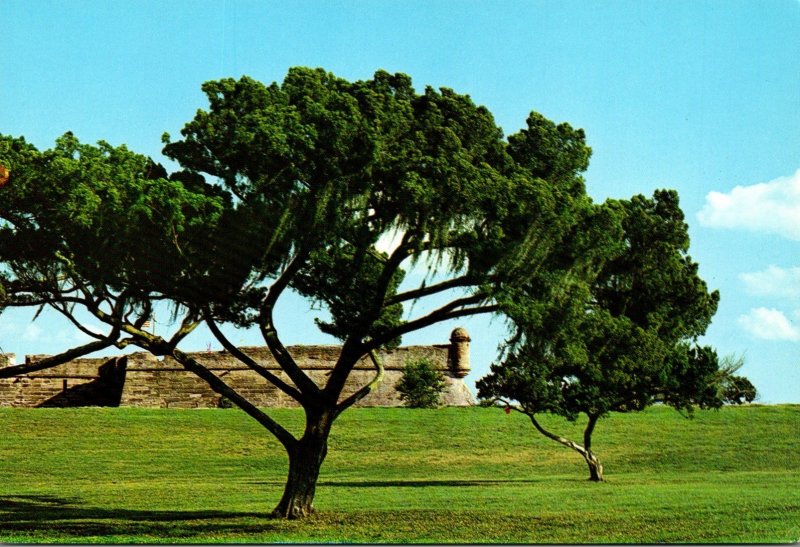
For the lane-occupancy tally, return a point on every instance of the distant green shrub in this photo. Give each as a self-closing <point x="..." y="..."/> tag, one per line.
<point x="422" y="384"/>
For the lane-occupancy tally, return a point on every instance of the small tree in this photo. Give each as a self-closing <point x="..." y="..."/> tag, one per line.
<point x="620" y="337"/>
<point x="735" y="389"/>
<point x="421" y="385"/>
<point x="740" y="390"/>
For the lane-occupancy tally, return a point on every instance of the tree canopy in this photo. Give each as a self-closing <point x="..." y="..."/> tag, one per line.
<point x="293" y="186"/>
<point x="620" y="337"/>
<point x="101" y="228"/>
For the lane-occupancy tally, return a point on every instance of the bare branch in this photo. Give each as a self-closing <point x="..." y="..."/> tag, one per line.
<point x="365" y="390"/>
<point x="463" y="281"/>
<point x="55" y="360"/>
<point x="283" y="280"/>
<point x="270" y="334"/>
<point x="219" y="386"/>
<point x="453" y="310"/>
<point x="189" y="323"/>
<point x="252" y="364"/>
<point x="65" y="311"/>
<point x="558" y="438"/>
<point x="22" y="301"/>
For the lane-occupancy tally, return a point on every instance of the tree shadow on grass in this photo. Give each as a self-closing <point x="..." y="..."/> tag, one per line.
<point x="421" y="483"/>
<point x="34" y="514"/>
<point x="428" y="483"/>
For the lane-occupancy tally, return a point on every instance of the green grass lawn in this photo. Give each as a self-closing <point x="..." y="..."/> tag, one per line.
<point x="461" y="475"/>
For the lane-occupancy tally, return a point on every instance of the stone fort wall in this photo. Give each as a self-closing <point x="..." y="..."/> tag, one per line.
<point x="142" y="380"/>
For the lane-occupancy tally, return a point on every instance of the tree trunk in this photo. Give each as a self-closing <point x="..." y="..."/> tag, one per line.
<point x="595" y="467"/>
<point x="305" y="461"/>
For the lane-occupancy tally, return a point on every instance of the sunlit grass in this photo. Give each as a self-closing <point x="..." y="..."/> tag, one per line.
<point x="400" y="475"/>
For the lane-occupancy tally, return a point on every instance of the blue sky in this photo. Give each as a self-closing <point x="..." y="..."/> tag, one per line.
<point x="701" y="96"/>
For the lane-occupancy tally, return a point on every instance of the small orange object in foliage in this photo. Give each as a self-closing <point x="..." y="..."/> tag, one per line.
<point x="4" y="175"/>
<point x="507" y="409"/>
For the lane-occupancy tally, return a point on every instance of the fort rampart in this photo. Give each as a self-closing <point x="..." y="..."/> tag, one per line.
<point x="139" y="379"/>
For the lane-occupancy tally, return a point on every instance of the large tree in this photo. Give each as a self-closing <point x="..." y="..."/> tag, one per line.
<point x="290" y="187"/>
<point x="618" y="338"/>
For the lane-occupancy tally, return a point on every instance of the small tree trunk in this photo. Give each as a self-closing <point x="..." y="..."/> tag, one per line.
<point x="305" y="461"/>
<point x="595" y="467"/>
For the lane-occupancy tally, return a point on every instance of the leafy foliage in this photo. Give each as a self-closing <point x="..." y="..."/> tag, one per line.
<point x="292" y="186"/>
<point x="421" y="385"/>
<point x="617" y="339"/>
<point x="331" y="166"/>
<point x="732" y="388"/>
<point x="620" y="337"/>
<point x="327" y="168"/>
<point x="740" y="390"/>
<point x="80" y="219"/>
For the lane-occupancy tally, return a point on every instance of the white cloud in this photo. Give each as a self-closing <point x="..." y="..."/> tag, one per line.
<point x="31" y="333"/>
<point x="769" y="324"/>
<point x="774" y="281"/>
<point x="772" y="207"/>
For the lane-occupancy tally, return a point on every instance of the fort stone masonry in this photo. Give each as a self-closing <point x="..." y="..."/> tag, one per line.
<point x="141" y="380"/>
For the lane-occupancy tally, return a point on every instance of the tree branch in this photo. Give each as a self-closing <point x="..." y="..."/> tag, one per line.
<point x="23" y="301"/>
<point x="252" y="364"/>
<point x="353" y="348"/>
<point x="270" y="334"/>
<point x="66" y="313"/>
<point x="189" y="323"/>
<point x="463" y="281"/>
<point x="445" y="313"/>
<point x="558" y="438"/>
<point x="307" y="387"/>
<point x="365" y="390"/>
<point x="390" y="268"/>
<point x="283" y="280"/>
<point x="55" y="360"/>
<point x="219" y="386"/>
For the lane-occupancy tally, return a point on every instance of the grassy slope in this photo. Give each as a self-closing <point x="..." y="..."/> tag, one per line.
<point x="400" y="475"/>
